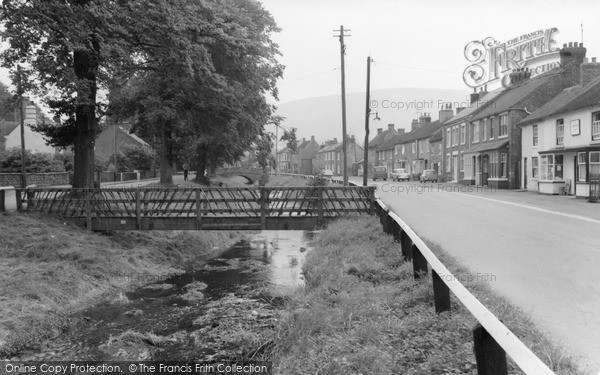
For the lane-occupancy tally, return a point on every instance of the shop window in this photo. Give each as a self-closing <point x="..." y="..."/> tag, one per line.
<point x="595" y="163"/>
<point x="502" y="172"/>
<point x="581" y="167"/>
<point x="494" y="165"/>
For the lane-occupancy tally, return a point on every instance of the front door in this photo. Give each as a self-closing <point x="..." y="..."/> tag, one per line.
<point x="455" y="166"/>
<point x="485" y="169"/>
<point x="525" y="173"/>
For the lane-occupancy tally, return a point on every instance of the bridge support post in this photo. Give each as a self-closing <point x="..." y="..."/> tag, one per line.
<point x="19" y="199"/>
<point x="320" y="206"/>
<point x="490" y="357"/>
<point x="441" y="293"/>
<point x="419" y="262"/>
<point x="2" y="200"/>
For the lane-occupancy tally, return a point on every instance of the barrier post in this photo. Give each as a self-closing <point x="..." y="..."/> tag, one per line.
<point x="490" y="357"/>
<point x="441" y="293"/>
<point x="419" y="262"/>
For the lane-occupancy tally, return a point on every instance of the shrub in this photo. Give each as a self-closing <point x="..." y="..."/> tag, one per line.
<point x="10" y="161"/>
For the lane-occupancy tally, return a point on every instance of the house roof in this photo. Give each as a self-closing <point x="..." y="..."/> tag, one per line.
<point x="134" y="137"/>
<point x="424" y="131"/>
<point x="332" y="147"/>
<point x="284" y="150"/>
<point x="514" y="96"/>
<point x="390" y="143"/>
<point x="483" y="102"/>
<point x="437" y="136"/>
<point x="570" y="99"/>
<point x="6" y="127"/>
<point x="379" y="139"/>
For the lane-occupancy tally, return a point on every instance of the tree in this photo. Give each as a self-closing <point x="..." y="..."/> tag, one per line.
<point x="289" y="137"/>
<point x="69" y="46"/>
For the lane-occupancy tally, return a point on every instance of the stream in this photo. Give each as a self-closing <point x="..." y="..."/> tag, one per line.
<point x="227" y="310"/>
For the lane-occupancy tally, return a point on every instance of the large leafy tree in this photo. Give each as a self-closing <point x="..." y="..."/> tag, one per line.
<point x="66" y="43"/>
<point x="210" y="103"/>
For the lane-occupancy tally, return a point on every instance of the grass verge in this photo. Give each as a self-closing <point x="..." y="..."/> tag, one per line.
<point x="50" y="269"/>
<point x="361" y="312"/>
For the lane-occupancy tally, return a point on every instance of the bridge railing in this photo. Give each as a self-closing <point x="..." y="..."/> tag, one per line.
<point x="492" y="339"/>
<point x="149" y="202"/>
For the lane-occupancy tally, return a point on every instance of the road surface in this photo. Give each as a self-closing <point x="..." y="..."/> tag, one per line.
<point x="543" y="251"/>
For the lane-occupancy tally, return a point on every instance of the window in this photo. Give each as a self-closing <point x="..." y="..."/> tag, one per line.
<point x="463" y="134"/>
<point x="596" y="126"/>
<point x="462" y="163"/>
<point x="455" y="135"/>
<point x="447" y="162"/>
<point x="552" y="167"/>
<point x="491" y="128"/>
<point x="534" y="167"/>
<point x="535" y="135"/>
<point x="560" y="132"/>
<point x="484" y="126"/>
<point x="581" y="167"/>
<point x="502" y="172"/>
<point x="503" y="126"/>
<point x="594" y="163"/>
<point x="448" y="137"/>
<point x="494" y="165"/>
<point x="475" y="132"/>
<point x="403" y="149"/>
<point x="414" y="147"/>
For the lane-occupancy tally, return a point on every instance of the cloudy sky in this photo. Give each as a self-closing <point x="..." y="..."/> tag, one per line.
<point x="413" y="43"/>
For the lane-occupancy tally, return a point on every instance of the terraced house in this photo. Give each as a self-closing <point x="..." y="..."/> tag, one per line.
<point x="483" y="147"/>
<point x="380" y="138"/>
<point x="561" y="140"/>
<point x="386" y="152"/>
<point x="330" y="156"/>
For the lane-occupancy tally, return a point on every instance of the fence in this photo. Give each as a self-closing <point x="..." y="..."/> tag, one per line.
<point x="199" y="208"/>
<point x="492" y="339"/>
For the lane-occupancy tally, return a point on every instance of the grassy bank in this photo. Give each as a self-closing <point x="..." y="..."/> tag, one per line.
<point x="50" y="269"/>
<point x="361" y="312"/>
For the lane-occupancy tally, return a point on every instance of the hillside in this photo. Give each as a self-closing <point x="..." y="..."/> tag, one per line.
<point x="322" y="117"/>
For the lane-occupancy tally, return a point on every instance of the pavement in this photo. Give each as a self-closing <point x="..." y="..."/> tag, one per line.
<point x="543" y="251"/>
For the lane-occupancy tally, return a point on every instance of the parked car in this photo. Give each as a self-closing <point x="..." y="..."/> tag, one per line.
<point x="400" y="175"/>
<point x="429" y="175"/>
<point x="380" y="172"/>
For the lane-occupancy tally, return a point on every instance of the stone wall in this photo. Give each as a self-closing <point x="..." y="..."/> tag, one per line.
<point x="38" y="179"/>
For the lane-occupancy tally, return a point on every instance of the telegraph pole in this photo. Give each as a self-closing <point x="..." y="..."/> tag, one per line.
<point x="367" y="115"/>
<point x="22" y="115"/>
<point x="344" y="141"/>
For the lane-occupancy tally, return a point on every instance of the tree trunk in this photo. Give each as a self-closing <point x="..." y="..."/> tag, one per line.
<point x="166" y="157"/>
<point x="202" y="163"/>
<point x="86" y="68"/>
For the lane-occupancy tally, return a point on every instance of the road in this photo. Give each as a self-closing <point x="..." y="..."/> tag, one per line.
<point x="543" y="251"/>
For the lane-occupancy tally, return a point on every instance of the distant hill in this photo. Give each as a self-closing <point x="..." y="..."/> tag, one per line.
<point x="322" y="116"/>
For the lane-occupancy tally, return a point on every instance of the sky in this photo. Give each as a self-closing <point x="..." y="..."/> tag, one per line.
<point x="413" y="43"/>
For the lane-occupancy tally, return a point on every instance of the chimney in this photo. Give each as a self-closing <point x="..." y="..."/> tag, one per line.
<point x="571" y="58"/>
<point x="414" y="124"/>
<point x="335" y="140"/>
<point x="446" y="113"/>
<point x="390" y="126"/>
<point x="312" y="137"/>
<point x="519" y="75"/>
<point x="30" y="115"/>
<point x="474" y="96"/>
<point x="379" y="130"/>
<point x="400" y="131"/>
<point x="589" y="71"/>
<point x="352" y="139"/>
<point x="424" y="118"/>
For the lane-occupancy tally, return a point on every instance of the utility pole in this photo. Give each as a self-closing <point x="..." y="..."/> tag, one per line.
<point x="344" y="141"/>
<point x="115" y="153"/>
<point x="367" y="115"/>
<point x="22" y="115"/>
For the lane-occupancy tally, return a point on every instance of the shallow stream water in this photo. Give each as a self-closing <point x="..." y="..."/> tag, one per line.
<point x="226" y="310"/>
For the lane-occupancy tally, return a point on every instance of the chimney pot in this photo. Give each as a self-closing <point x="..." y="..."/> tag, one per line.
<point x="593" y="59"/>
<point x="564" y="45"/>
<point x="379" y="130"/>
<point x="390" y="126"/>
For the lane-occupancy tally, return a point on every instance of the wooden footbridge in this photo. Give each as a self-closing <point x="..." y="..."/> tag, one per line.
<point x="251" y="208"/>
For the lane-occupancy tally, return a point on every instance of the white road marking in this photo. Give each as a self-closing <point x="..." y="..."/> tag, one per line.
<point x="572" y="216"/>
